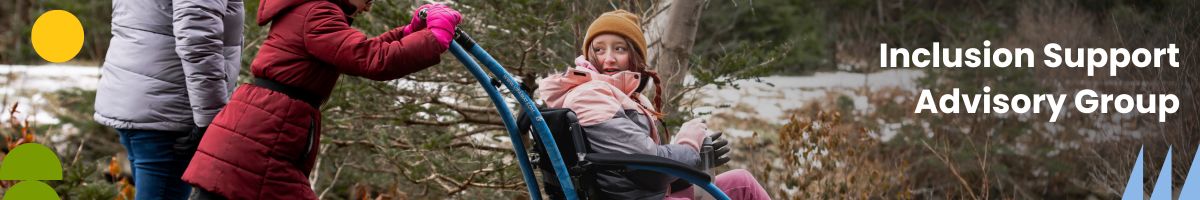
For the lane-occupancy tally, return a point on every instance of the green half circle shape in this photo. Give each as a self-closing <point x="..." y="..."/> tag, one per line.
<point x="31" y="161"/>
<point x="36" y="190"/>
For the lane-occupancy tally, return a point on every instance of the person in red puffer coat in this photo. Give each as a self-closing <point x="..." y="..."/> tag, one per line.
<point x="263" y="144"/>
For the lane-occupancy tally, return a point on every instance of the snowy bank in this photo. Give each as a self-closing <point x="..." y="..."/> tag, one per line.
<point x="770" y="103"/>
<point x="27" y="85"/>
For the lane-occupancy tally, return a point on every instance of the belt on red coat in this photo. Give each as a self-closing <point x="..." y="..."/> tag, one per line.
<point x="293" y="92"/>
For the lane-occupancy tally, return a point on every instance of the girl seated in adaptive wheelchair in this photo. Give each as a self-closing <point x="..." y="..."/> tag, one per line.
<point x="604" y="89"/>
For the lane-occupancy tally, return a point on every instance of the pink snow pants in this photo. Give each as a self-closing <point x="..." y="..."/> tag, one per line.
<point x="738" y="184"/>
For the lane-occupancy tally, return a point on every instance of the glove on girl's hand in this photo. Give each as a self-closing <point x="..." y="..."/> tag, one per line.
<point x="416" y="23"/>
<point x="720" y="149"/>
<point x="442" y="20"/>
<point x="692" y="133"/>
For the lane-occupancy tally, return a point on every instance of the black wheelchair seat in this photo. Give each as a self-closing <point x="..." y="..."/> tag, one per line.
<point x="582" y="163"/>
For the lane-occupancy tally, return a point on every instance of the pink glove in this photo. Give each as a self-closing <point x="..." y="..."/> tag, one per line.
<point x="582" y="63"/>
<point x="442" y="20"/>
<point x="417" y="23"/>
<point x="692" y="133"/>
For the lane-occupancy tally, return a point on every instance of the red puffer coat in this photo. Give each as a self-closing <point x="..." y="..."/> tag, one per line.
<point x="258" y="147"/>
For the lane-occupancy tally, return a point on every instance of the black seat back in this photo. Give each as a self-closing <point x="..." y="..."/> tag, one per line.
<point x="572" y="144"/>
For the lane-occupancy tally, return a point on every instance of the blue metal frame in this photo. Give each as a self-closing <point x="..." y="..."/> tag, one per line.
<point x="539" y="124"/>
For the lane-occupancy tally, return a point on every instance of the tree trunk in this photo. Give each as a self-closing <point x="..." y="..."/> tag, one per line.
<point x="674" y="47"/>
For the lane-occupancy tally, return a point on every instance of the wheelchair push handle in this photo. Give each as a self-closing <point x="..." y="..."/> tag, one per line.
<point x="707" y="156"/>
<point x="459" y="36"/>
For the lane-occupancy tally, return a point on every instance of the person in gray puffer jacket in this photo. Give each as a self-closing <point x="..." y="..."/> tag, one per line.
<point x="170" y="67"/>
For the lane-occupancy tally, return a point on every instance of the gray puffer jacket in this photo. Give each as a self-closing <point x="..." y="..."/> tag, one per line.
<point x="171" y="64"/>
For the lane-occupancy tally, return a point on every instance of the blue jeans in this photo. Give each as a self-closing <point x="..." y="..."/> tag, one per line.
<point x="156" y="167"/>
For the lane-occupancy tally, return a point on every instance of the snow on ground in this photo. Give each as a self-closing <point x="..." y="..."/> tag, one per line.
<point x="28" y="85"/>
<point x="770" y="103"/>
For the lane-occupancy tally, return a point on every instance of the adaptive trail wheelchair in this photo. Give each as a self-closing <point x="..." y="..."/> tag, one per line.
<point x="559" y="141"/>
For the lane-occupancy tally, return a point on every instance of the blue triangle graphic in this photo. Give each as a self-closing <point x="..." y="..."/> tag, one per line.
<point x="1133" y="188"/>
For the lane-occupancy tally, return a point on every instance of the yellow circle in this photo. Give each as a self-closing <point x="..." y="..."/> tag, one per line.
<point x="57" y="36"/>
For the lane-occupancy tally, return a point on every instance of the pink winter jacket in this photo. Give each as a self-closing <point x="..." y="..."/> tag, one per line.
<point x="616" y="122"/>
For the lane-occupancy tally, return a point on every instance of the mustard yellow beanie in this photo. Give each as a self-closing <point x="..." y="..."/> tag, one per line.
<point x="618" y="22"/>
